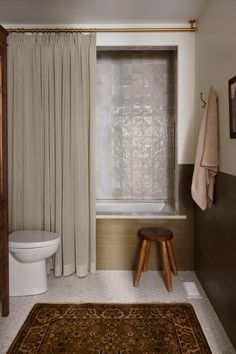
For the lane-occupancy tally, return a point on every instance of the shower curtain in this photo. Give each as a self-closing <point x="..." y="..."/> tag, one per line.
<point x="51" y="83"/>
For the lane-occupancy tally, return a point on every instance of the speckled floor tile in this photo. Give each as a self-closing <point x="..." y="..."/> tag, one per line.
<point x="117" y="287"/>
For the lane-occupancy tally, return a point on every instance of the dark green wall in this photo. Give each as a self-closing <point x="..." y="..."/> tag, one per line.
<point x="215" y="251"/>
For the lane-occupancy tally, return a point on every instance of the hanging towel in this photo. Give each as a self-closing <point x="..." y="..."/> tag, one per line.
<point x="207" y="155"/>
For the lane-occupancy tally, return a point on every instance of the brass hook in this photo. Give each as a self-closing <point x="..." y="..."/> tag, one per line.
<point x="204" y="102"/>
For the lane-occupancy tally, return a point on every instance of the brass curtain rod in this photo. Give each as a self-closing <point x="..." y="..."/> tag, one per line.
<point x="192" y="28"/>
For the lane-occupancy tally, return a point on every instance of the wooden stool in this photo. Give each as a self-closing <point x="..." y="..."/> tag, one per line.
<point x="156" y="234"/>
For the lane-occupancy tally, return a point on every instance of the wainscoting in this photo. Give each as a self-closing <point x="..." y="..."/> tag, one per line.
<point x="117" y="242"/>
<point x="214" y="251"/>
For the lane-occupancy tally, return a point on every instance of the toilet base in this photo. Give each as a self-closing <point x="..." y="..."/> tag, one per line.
<point x="27" y="278"/>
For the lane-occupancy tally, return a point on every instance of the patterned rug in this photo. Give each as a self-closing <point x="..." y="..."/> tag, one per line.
<point x="111" y="329"/>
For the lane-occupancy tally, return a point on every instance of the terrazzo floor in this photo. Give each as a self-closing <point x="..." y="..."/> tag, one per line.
<point x="116" y="287"/>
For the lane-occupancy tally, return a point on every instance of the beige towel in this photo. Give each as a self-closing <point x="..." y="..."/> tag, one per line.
<point x="207" y="155"/>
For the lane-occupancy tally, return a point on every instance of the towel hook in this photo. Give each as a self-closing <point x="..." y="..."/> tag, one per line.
<point x="204" y="102"/>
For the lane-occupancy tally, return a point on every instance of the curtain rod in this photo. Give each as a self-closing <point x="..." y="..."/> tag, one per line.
<point x="192" y="28"/>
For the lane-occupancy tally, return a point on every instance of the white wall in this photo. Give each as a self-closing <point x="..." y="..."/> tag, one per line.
<point x="215" y="65"/>
<point x="186" y="79"/>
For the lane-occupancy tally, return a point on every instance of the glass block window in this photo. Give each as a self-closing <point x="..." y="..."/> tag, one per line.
<point x="135" y="125"/>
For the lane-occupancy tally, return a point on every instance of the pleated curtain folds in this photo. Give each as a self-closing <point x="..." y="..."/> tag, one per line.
<point x="51" y="113"/>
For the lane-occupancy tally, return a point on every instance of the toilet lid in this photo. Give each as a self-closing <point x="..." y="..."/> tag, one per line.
<point x="31" y="238"/>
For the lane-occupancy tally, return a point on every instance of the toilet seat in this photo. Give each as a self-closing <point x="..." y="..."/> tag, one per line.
<point x="31" y="239"/>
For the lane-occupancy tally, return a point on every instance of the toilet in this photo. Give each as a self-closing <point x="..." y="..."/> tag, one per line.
<point x="28" y="251"/>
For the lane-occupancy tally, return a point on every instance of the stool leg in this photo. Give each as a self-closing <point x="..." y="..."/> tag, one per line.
<point x="140" y="263"/>
<point x="172" y="257"/>
<point x="145" y="265"/>
<point x="166" y="266"/>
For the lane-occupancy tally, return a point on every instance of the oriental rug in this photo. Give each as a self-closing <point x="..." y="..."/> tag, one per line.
<point x="111" y="329"/>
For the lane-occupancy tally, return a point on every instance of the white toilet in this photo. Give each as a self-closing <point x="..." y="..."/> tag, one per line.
<point x="28" y="251"/>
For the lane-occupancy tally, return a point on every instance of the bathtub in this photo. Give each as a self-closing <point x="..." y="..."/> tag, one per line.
<point x="135" y="210"/>
<point x="129" y="207"/>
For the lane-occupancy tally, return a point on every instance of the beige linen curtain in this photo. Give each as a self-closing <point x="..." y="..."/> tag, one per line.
<point x="51" y="82"/>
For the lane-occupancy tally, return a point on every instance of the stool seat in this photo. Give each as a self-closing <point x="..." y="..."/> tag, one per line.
<point x="155" y="234"/>
<point x="162" y="236"/>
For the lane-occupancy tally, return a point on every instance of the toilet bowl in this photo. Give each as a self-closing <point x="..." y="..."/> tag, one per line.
<point x="28" y="251"/>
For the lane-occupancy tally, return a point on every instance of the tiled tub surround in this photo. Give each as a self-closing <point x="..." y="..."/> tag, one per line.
<point x="135" y="113"/>
<point x="215" y="251"/>
<point x="117" y="242"/>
